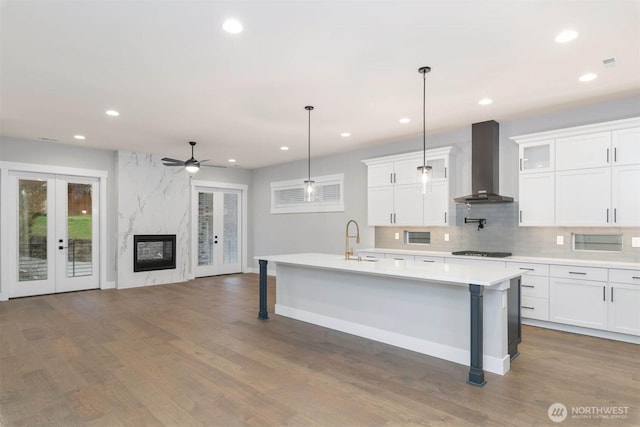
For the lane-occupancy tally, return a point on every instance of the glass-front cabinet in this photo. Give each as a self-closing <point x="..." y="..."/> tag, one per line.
<point x="536" y="157"/>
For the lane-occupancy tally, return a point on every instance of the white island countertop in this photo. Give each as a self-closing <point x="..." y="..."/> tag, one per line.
<point x="434" y="272"/>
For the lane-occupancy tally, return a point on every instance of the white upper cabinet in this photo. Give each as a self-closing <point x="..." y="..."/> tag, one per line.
<point x="583" y="151"/>
<point x="393" y="196"/>
<point x="625" y="195"/>
<point x="536" y="157"/>
<point x="537" y="199"/>
<point x="582" y="176"/>
<point x="626" y="146"/>
<point x="583" y="197"/>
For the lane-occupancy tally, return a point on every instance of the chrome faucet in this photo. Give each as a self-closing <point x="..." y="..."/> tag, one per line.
<point x="349" y="252"/>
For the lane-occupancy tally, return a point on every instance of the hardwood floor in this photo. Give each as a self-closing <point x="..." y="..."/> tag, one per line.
<point x="195" y="354"/>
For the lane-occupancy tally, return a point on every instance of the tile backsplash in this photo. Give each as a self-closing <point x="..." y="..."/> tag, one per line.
<point x="502" y="233"/>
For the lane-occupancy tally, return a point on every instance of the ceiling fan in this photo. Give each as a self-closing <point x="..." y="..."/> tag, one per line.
<point x="191" y="165"/>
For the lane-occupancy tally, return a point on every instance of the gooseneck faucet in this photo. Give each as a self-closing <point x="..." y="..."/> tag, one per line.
<point x="349" y="252"/>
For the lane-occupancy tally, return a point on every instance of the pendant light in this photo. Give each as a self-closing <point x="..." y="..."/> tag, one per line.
<point x="308" y="184"/>
<point x="424" y="171"/>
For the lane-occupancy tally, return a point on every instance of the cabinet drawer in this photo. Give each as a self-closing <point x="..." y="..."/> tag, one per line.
<point x="371" y="255"/>
<point x="534" y="308"/>
<point x="534" y="286"/>
<point x="399" y="257"/>
<point x="533" y="269"/>
<point x="624" y="276"/>
<point x="576" y="272"/>
<point x="428" y="259"/>
<point x="480" y="261"/>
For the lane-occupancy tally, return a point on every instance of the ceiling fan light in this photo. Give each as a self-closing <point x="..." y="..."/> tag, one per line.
<point x="192" y="168"/>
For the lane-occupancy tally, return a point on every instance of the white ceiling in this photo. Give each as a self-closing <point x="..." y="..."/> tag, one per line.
<point x="176" y="76"/>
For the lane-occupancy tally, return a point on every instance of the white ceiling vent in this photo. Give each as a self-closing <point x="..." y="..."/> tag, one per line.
<point x="609" y="62"/>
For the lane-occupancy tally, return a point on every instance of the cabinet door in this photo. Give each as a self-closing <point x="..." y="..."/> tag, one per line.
<point x="624" y="308"/>
<point x="408" y="205"/>
<point x="583" y="151"/>
<point x="406" y="171"/>
<point x="625" y="195"/>
<point x="583" y="197"/>
<point x="536" y="157"/>
<point x="578" y="302"/>
<point x="439" y="167"/>
<point x="626" y="146"/>
<point x="380" y="205"/>
<point x="436" y="204"/>
<point x="380" y="175"/>
<point x="537" y="199"/>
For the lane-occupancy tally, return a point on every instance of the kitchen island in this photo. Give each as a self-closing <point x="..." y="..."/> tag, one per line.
<point x="454" y="312"/>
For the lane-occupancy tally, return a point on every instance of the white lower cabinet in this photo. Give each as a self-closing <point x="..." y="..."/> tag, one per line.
<point x="534" y="289"/>
<point x="428" y="259"/>
<point x="534" y="307"/>
<point x="613" y="306"/>
<point x="578" y="302"/>
<point x="399" y="257"/>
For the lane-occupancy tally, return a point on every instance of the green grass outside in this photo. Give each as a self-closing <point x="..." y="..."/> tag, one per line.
<point x="79" y="227"/>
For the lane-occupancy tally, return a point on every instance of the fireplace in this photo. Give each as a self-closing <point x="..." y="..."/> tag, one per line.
<point x="154" y="252"/>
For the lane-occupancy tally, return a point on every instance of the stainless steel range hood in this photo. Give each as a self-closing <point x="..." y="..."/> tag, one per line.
<point x="485" y="164"/>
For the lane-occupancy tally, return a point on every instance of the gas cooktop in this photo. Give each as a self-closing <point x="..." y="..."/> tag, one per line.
<point x="483" y="254"/>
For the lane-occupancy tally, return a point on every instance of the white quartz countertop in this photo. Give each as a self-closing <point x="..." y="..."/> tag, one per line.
<point x="535" y="260"/>
<point x="434" y="272"/>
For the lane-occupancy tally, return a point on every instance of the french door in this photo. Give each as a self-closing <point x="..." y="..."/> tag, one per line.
<point x="218" y="231"/>
<point x="54" y="233"/>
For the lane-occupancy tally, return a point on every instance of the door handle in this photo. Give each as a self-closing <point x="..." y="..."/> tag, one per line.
<point x="63" y="247"/>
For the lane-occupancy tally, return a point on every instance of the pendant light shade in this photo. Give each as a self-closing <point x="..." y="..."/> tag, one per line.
<point x="424" y="170"/>
<point x="308" y="184"/>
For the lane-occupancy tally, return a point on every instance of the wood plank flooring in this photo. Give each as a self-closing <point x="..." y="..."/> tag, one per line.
<point x="192" y="354"/>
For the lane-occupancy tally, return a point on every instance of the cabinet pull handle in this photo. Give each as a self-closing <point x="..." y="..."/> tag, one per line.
<point x="612" y="294"/>
<point x="521" y="216"/>
<point x="530" y="308"/>
<point x="445" y="217"/>
<point x="578" y="272"/>
<point x="520" y="164"/>
<point x="604" y="293"/>
<point x="615" y="154"/>
<point x="428" y="260"/>
<point x="399" y="259"/>
<point x="369" y="256"/>
<point x="635" y="277"/>
<point x="391" y="218"/>
<point x="394" y="218"/>
<point x="528" y="286"/>
<point x="615" y="214"/>
<point x="445" y="172"/>
<point x="528" y="269"/>
<point x="607" y="155"/>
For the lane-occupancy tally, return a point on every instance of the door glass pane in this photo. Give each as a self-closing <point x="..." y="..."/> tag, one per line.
<point x="79" y="230"/>
<point x="205" y="228"/>
<point x="230" y="228"/>
<point x="32" y="230"/>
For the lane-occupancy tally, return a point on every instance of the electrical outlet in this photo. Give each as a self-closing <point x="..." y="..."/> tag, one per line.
<point x="397" y="236"/>
<point x="446" y="237"/>
<point x="559" y="240"/>
<point x="635" y="242"/>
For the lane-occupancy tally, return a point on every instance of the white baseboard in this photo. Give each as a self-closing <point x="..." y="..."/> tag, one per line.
<point x="582" y="331"/>
<point x="457" y="355"/>
<point x="109" y="285"/>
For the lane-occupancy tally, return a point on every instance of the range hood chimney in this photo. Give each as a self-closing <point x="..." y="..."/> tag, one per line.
<point x="485" y="164"/>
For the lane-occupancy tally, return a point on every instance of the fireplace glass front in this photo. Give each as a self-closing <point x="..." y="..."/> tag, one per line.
<point x="154" y="252"/>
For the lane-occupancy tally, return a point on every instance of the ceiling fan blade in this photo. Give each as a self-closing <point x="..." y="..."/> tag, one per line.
<point x="174" y="164"/>
<point x="202" y="161"/>
<point x="213" y="166"/>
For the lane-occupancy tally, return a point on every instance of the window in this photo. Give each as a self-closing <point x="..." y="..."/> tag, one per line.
<point x="417" y="237"/>
<point x="288" y="196"/>
<point x="597" y="242"/>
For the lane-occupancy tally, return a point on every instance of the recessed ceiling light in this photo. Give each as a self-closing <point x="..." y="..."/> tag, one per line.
<point x="588" y="77"/>
<point x="566" y="36"/>
<point x="485" y="101"/>
<point x="112" y="113"/>
<point x="404" y="120"/>
<point x="232" y="26"/>
<point x="345" y="134"/>
<point x="284" y="148"/>
<point x="80" y="137"/>
<point x="232" y="160"/>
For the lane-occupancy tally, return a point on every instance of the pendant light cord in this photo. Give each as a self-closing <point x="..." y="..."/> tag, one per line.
<point x="424" y="125"/>
<point x="309" y="148"/>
